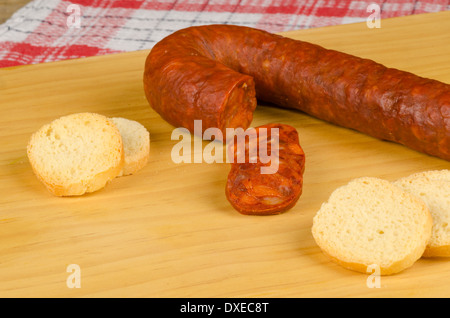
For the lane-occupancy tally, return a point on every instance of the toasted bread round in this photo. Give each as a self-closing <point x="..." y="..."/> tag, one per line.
<point x="136" y="144"/>
<point x="433" y="187"/>
<point x="371" y="222"/>
<point x="76" y="154"/>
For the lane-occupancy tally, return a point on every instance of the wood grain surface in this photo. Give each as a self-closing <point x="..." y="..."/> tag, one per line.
<point x="8" y="7"/>
<point x="168" y="231"/>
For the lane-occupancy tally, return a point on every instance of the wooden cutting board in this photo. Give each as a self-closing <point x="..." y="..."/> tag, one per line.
<point x="169" y="231"/>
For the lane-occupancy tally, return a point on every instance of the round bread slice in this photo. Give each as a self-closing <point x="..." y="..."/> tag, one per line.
<point x="76" y="154"/>
<point x="136" y="144"/>
<point x="433" y="187"/>
<point x="371" y="222"/>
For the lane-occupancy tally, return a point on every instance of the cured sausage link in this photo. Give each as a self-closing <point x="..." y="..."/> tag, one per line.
<point x="215" y="72"/>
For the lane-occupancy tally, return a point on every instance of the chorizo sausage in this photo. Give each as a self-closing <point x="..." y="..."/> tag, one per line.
<point x="252" y="190"/>
<point x="217" y="72"/>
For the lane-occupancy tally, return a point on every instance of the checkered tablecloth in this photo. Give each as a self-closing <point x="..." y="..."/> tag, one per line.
<point x="51" y="30"/>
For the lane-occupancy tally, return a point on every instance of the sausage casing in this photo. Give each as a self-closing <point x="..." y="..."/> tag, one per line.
<point x="216" y="72"/>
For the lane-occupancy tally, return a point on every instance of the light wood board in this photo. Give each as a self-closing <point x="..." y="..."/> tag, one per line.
<point x="169" y="231"/>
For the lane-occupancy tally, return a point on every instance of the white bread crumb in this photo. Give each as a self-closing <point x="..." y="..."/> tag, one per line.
<point x="136" y="144"/>
<point x="433" y="187"/>
<point x="369" y="222"/>
<point x="76" y="154"/>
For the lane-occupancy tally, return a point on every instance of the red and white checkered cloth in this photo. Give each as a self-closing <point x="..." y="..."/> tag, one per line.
<point x="52" y="30"/>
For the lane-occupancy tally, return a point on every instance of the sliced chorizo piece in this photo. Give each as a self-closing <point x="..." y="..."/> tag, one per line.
<point x="216" y="72"/>
<point x="271" y="182"/>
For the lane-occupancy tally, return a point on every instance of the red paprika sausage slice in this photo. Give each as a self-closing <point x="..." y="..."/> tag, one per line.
<point x="266" y="175"/>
